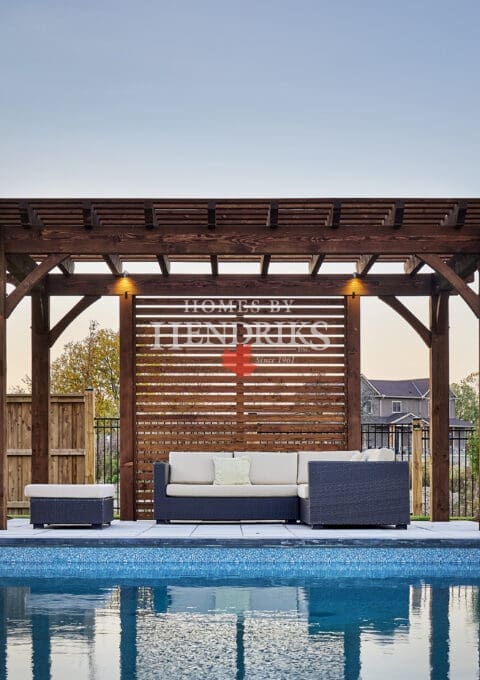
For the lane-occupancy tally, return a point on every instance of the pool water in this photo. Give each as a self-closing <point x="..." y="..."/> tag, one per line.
<point x="228" y="628"/>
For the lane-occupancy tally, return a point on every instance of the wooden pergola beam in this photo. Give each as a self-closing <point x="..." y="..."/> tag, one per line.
<point x="394" y="217"/>
<point x="272" y="215"/>
<point x="151" y="220"/>
<point x="212" y="215"/>
<point x="29" y="217"/>
<point x="315" y="263"/>
<point x="214" y="265"/>
<point x="409" y="317"/>
<point x="114" y="263"/>
<point x="265" y="264"/>
<point x="442" y="268"/>
<point x="30" y="281"/>
<point x="229" y="284"/>
<point x="413" y="265"/>
<point x="334" y="215"/>
<point x="20" y="265"/>
<point x="90" y="217"/>
<point x="365" y="263"/>
<point x="455" y="217"/>
<point x="70" y="316"/>
<point x="67" y="267"/>
<point x="164" y="264"/>
<point x="350" y="240"/>
<point x="465" y="265"/>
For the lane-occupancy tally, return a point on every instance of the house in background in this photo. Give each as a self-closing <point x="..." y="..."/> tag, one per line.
<point x="389" y="406"/>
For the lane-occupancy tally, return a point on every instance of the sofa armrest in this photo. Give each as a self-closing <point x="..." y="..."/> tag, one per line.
<point x="359" y="492"/>
<point x="161" y="474"/>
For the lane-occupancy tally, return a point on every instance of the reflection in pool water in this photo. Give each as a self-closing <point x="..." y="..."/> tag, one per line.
<point x="305" y="628"/>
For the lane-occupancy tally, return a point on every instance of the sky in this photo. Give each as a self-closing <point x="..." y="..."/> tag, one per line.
<point x="265" y="98"/>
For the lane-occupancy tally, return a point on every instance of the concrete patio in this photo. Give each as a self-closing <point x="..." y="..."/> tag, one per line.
<point x="146" y="532"/>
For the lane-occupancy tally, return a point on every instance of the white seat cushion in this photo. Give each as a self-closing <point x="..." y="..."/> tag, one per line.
<point x="193" y="467"/>
<point x="231" y="490"/>
<point x="381" y="455"/>
<point x="69" y="490"/>
<point x="304" y="458"/>
<point x="303" y="491"/>
<point x="271" y="468"/>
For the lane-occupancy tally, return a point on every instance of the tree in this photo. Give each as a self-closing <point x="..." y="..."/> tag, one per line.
<point x="91" y="362"/>
<point x="467" y="407"/>
<point x="466" y="404"/>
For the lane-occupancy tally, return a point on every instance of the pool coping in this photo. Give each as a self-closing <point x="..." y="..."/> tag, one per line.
<point x="161" y="542"/>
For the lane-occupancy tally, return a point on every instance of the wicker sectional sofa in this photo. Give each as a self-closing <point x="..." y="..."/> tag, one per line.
<point x="319" y="488"/>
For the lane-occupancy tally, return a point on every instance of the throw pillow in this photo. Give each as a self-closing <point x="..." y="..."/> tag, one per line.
<point x="231" y="470"/>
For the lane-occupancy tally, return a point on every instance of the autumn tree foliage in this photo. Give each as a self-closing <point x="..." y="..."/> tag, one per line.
<point x="91" y="362"/>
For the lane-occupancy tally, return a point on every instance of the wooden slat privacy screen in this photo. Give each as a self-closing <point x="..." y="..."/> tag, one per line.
<point x="237" y="374"/>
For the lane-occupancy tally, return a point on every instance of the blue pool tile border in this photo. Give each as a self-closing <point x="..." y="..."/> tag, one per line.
<point x="239" y="561"/>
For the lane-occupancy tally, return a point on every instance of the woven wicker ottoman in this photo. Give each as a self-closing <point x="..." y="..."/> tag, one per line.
<point x="70" y="504"/>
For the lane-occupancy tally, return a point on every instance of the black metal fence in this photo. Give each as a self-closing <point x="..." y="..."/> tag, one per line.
<point x="107" y="450"/>
<point x="463" y="462"/>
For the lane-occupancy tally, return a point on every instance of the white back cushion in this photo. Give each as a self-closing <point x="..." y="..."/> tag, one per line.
<point x="383" y="455"/>
<point x="271" y="468"/>
<point x="193" y="467"/>
<point x="233" y="471"/>
<point x="304" y="458"/>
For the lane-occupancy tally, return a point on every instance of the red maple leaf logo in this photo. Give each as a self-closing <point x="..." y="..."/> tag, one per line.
<point x="239" y="361"/>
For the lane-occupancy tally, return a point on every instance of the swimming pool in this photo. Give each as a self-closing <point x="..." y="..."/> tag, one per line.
<point x="239" y="628"/>
<point x="239" y="612"/>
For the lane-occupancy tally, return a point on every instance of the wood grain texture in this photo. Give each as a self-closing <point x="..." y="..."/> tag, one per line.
<point x="273" y="285"/>
<point x="40" y="302"/>
<point x="127" y="408"/>
<point x="186" y="399"/>
<point x="89" y="429"/>
<point x="66" y="448"/>
<point x="417" y="467"/>
<point x="352" y="373"/>
<point x="439" y="409"/>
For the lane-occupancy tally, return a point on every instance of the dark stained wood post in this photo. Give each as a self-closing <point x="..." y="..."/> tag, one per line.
<point x="439" y="409"/>
<point x="3" y="389"/>
<point x="40" y="386"/>
<point x="352" y="368"/>
<point x="127" y="407"/>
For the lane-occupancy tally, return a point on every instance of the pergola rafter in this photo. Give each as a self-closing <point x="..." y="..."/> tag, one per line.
<point x="38" y="235"/>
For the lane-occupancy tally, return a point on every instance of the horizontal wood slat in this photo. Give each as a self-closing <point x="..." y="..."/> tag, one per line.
<point x="189" y="397"/>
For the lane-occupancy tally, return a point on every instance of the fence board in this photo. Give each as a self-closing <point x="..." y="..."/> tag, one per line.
<point x="66" y="462"/>
<point x="186" y="399"/>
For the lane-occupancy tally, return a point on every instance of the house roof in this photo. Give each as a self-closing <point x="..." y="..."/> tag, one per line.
<point x="414" y="388"/>
<point x="401" y="388"/>
<point x="406" y="418"/>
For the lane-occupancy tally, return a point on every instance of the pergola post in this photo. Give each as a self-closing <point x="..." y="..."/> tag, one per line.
<point x="439" y="409"/>
<point x="3" y="388"/>
<point x="40" y="386"/>
<point x="127" y="407"/>
<point x="352" y="367"/>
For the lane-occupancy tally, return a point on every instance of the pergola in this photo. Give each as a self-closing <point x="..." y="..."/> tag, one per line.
<point x="40" y="235"/>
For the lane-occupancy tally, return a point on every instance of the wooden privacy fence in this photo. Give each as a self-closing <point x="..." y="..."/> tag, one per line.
<point x="238" y="374"/>
<point x="71" y="445"/>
